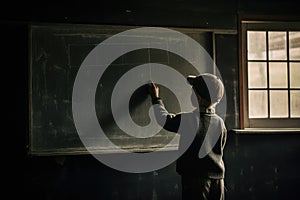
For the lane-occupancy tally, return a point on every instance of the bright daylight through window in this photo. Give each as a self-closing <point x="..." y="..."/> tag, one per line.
<point x="271" y="68"/>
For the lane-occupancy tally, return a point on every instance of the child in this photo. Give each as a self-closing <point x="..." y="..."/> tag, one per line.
<point x="202" y="178"/>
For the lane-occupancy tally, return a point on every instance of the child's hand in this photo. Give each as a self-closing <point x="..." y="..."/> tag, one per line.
<point x="153" y="90"/>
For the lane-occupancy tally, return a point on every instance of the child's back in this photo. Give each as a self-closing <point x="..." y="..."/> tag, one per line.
<point x="201" y="166"/>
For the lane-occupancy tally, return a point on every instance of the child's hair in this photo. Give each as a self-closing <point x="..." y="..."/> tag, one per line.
<point x="208" y="86"/>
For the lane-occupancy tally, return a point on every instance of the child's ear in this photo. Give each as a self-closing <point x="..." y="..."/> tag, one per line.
<point x="199" y="98"/>
<point x="203" y="101"/>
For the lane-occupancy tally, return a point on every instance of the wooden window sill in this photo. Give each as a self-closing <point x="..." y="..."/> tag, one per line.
<point x="267" y="131"/>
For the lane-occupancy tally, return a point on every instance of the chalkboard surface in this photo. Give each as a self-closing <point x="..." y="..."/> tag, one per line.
<point x="57" y="52"/>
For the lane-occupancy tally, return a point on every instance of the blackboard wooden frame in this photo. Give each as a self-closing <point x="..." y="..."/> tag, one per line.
<point x="38" y="54"/>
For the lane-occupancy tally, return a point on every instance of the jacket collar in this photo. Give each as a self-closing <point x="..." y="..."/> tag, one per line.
<point x="205" y="110"/>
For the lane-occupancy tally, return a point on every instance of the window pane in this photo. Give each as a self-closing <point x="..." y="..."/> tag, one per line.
<point x="295" y="103"/>
<point x="278" y="75"/>
<point x="279" y="104"/>
<point x="258" y="104"/>
<point x="256" y="41"/>
<point x="295" y="75"/>
<point x="294" y="42"/>
<point x="257" y="75"/>
<point x="277" y="46"/>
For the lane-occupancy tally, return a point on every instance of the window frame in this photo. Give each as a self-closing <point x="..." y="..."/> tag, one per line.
<point x="261" y="23"/>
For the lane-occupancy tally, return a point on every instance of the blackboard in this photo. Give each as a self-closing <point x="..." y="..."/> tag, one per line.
<point x="56" y="54"/>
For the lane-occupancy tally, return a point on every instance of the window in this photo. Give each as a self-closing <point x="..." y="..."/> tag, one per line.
<point x="270" y="75"/>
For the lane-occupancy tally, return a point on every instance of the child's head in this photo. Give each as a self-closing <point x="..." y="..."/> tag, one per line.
<point x="208" y="87"/>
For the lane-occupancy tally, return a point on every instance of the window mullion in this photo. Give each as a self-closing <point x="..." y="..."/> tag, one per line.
<point x="288" y="73"/>
<point x="268" y="74"/>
